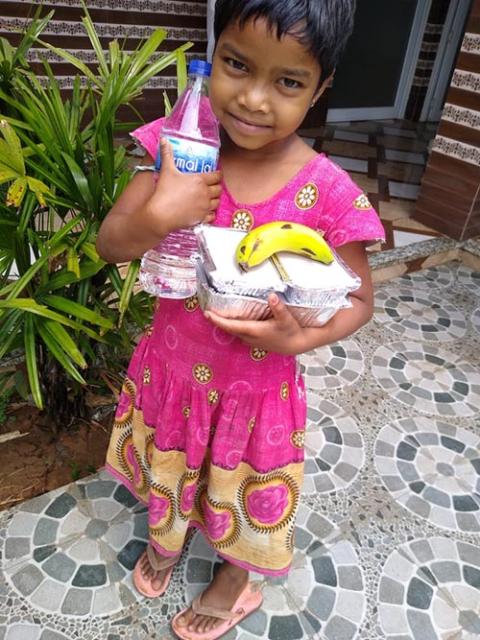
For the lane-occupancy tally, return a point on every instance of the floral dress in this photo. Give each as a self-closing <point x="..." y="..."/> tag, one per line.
<point x="209" y="432"/>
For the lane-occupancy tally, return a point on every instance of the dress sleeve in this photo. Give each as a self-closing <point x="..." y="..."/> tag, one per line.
<point x="148" y="136"/>
<point x="348" y="215"/>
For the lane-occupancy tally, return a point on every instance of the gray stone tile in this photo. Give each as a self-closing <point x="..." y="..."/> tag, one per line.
<point x="285" y="628"/>
<point x="22" y="525"/>
<point x="255" y="623"/>
<point x="340" y="629"/>
<point x="350" y="578"/>
<point x="61" y="506"/>
<point x="106" y="600"/>
<point x="17" y="548"/>
<point x="60" y="567"/>
<point x="321" y="602"/>
<point x="391" y="591"/>
<point x="90" y="576"/>
<point x="77" y="602"/>
<point x="45" y="531"/>
<point x="49" y="634"/>
<point x="27" y="579"/>
<point x="49" y="595"/>
<point x="100" y="488"/>
<point x="36" y="505"/>
<point x="23" y="631"/>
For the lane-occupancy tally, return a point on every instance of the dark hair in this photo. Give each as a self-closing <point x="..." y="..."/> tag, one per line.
<point x="322" y="26"/>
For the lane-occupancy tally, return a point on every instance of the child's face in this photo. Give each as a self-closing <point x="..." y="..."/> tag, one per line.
<point x="261" y="87"/>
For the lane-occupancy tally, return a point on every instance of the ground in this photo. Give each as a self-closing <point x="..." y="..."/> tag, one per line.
<point x="40" y="461"/>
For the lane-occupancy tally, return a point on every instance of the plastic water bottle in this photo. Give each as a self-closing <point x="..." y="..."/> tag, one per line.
<point x="168" y="270"/>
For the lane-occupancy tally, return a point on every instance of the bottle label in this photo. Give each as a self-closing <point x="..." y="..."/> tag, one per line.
<point x="191" y="156"/>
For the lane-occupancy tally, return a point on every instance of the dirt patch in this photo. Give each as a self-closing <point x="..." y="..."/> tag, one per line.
<point x="40" y="460"/>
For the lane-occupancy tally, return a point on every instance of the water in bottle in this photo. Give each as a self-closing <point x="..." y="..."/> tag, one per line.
<point x="168" y="270"/>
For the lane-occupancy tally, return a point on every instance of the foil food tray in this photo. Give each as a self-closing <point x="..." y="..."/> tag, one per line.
<point x="302" y="281"/>
<point x="241" y="307"/>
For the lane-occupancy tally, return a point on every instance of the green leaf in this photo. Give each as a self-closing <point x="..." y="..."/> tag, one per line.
<point x="77" y="310"/>
<point x="31" y="361"/>
<point x="73" y="263"/>
<point x="143" y="55"/>
<point x="9" y="328"/>
<point x="66" y="342"/>
<point x="16" y="192"/>
<point x="56" y="350"/>
<point x="63" y="278"/>
<point x="95" y="41"/>
<point x="23" y="281"/>
<point x="6" y="174"/>
<point x="31" y="306"/>
<point x="181" y="71"/>
<point x="15" y="158"/>
<point x="72" y="60"/>
<point x="39" y="188"/>
<point x="127" y="289"/>
<point x="90" y="251"/>
<point x="81" y="181"/>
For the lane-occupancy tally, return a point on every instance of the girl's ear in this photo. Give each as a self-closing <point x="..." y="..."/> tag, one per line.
<point x="325" y="84"/>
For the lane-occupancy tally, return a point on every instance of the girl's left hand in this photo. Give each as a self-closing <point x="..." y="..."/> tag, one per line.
<point x="281" y="333"/>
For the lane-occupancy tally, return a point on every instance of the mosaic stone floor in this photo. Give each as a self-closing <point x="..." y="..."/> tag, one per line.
<point x="388" y="532"/>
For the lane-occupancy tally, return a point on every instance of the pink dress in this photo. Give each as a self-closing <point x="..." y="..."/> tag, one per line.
<point x="209" y="432"/>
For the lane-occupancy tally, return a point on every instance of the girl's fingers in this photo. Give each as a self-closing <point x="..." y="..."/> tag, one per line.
<point x="215" y="190"/>
<point x="214" y="203"/>
<point x="215" y="177"/>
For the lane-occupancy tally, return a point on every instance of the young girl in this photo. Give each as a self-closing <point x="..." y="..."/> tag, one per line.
<point x="210" y="427"/>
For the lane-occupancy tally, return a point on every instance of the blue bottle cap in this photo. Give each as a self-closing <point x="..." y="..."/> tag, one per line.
<point x="199" y="67"/>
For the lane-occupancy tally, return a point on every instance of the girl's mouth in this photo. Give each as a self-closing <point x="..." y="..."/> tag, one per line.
<point x="246" y="126"/>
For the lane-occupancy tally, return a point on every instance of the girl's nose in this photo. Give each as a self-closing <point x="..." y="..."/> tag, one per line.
<point x="254" y="98"/>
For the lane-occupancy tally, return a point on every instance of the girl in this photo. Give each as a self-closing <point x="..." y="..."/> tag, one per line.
<point x="210" y="427"/>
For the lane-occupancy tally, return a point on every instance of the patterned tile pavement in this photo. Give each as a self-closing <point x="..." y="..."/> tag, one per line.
<point x="388" y="532"/>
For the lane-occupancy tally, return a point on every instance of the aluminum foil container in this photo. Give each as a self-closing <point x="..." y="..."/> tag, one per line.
<point x="303" y="282"/>
<point x="241" y="307"/>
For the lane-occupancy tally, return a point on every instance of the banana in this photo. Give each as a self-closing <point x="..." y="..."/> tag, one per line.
<point x="263" y="241"/>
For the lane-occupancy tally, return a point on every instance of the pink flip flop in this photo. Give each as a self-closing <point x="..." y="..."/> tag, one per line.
<point x="144" y="585"/>
<point x="247" y="602"/>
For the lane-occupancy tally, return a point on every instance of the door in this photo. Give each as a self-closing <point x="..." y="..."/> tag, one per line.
<point x="374" y="77"/>
<point x="452" y="34"/>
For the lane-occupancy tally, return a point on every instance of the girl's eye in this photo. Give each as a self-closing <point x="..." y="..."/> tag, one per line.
<point x="289" y="83"/>
<point x="235" y="64"/>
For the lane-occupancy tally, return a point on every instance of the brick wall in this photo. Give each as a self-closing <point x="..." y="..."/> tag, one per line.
<point x="449" y="199"/>
<point x="128" y="21"/>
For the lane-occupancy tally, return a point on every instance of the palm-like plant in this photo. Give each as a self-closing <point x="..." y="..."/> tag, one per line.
<point x="61" y="172"/>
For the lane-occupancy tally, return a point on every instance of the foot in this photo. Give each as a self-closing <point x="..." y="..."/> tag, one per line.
<point x="222" y="593"/>
<point x="154" y="577"/>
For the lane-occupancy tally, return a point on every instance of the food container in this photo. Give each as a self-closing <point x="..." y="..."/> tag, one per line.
<point x="312" y="291"/>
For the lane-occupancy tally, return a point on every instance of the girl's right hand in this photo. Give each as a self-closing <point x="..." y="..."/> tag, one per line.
<point x="182" y="200"/>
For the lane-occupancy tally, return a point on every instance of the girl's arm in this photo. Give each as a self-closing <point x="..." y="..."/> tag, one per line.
<point x="283" y="334"/>
<point x="149" y="209"/>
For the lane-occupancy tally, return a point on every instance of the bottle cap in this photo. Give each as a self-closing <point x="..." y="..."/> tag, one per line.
<point x="200" y="67"/>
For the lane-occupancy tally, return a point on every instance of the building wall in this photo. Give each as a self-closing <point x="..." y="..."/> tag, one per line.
<point x="128" y="21"/>
<point x="449" y="199"/>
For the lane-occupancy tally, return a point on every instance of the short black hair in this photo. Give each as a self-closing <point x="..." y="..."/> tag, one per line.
<point x="322" y="26"/>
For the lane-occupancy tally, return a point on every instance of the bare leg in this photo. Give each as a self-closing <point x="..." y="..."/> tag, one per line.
<point x="222" y="593"/>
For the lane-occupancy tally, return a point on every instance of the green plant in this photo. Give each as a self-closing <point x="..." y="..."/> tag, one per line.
<point x="70" y="313"/>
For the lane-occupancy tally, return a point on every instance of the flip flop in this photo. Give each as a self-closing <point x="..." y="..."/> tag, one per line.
<point x="247" y="602"/>
<point x="144" y="585"/>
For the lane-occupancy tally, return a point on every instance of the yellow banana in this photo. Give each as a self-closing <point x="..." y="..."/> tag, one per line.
<point x="263" y="241"/>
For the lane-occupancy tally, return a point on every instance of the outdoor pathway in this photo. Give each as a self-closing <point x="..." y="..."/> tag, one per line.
<point x="388" y="532"/>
